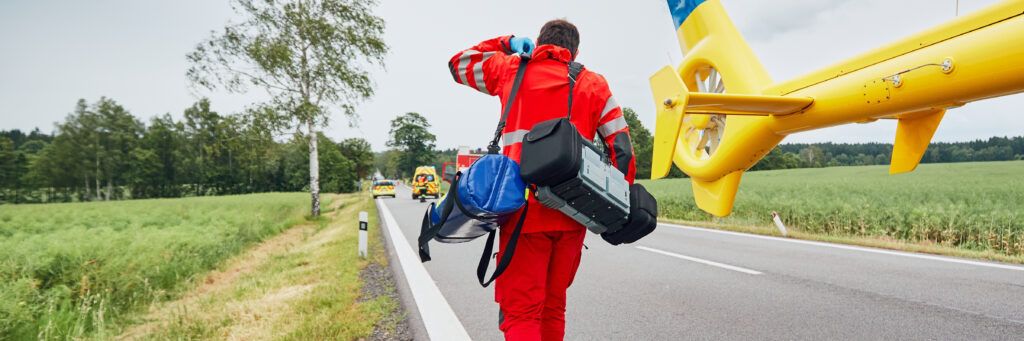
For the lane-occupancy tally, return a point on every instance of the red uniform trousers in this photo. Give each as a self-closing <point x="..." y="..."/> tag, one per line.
<point x="531" y="291"/>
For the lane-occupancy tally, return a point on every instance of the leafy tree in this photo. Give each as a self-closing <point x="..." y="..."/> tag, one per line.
<point x="118" y="135"/>
<point x="78" y="138"/>
<point x="165" y="140"/>
<point x="340" y="174"/>
<point x="145" y="176"/>
<point x="257" y="152"/>
<point x="8" y="168"/>
<point x="201" y="130"/>
<point x="308" y="55"/>
<point x="643" y="143"/>
<point x="359" y="152"/>
<point x="415" y="144"/>
<point x="813" y="156"/>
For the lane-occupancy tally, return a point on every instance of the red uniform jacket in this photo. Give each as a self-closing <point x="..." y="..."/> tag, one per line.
<point x="490" y="67"/>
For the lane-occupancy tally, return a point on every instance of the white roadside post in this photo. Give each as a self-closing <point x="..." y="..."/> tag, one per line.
<point x="778" y="223"/>
<point x="363" y="224"/>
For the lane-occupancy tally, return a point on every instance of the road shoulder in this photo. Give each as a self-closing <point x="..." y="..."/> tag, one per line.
<point x="305" y="283"/>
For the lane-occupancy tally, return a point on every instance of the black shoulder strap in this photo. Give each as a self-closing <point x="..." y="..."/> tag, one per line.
<point x="506" y="257"/>
<point x="493" y="147"/>
<point x="574" y="71"/>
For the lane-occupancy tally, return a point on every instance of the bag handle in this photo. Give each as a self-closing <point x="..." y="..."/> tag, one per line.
<point x="506" y="258"/>
<point x="493" y="148"/>
<point x="427" y="230"/>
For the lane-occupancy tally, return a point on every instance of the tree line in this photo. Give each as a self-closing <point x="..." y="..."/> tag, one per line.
<point x="102" y="152"/>
<point x="812" y="155"/>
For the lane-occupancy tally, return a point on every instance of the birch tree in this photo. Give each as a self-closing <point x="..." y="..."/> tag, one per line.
<point x="310" y="56"/>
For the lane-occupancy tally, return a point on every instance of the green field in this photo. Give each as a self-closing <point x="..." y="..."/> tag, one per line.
<point x="73" y="270"/>
<point x="970" y="206"/>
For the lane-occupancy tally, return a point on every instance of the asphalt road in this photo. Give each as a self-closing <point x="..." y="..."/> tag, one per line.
<point x="687" y="283"/>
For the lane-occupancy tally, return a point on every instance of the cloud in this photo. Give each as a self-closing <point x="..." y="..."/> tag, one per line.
<point x="766" y="19"/>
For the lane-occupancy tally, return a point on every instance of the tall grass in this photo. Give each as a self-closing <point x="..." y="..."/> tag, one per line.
<point x="74" y="270"/>
<point x="976" y="206"/>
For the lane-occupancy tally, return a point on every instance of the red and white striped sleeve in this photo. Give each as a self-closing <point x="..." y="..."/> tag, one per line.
<point x="482" y="67"/>
<point x="614" y="131"/>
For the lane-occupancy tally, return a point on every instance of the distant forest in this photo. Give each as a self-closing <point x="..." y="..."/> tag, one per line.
<point x="101" y="152"/>
<point x="810" y="155"/>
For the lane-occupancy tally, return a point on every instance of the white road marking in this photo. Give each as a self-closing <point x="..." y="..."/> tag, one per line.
<point x="855" y="248"/>
<point x="438" y="317"/>
<point x="702" y="261"/>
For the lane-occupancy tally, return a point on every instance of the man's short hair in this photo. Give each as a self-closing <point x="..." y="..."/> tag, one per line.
<point x="560" y="32"/>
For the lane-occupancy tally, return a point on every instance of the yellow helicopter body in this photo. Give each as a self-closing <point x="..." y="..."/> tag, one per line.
<point x="719" y="113"/>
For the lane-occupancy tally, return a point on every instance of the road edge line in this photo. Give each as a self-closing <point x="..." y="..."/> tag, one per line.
<point x="854" y="248"/>
<point x="437" y="315"/>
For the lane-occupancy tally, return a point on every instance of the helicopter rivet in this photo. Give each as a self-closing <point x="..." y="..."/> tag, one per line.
<point x="669" y="103"/>
<point x="947" y="65"/>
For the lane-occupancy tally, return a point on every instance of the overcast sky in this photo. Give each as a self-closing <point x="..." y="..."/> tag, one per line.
<point x="54" y="52"/>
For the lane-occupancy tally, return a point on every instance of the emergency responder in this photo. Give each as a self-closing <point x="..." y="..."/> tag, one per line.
<point x="531" y="292"/>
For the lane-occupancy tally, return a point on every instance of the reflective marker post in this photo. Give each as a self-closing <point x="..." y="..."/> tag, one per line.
<point x="778" y="223"/>
<point x="363" y="224"/>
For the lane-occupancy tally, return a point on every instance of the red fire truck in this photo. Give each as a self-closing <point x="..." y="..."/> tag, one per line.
<point x="465" y="158"/>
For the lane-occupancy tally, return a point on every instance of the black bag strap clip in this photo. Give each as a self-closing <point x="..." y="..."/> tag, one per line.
<point x="493" y="147"/>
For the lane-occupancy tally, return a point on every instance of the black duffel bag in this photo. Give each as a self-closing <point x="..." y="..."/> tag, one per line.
<point x="643" y="217"/>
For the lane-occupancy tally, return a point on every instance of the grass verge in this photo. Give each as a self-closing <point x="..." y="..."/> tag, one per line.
<point x="867" y="241"/>
<point x="303" y="284"/>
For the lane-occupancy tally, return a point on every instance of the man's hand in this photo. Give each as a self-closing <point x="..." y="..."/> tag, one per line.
<point x="521" y="45"/>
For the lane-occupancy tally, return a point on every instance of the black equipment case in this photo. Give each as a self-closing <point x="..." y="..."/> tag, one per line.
<point x="573" y="177"/>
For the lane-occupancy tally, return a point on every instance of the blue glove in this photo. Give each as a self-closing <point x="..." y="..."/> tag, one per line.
<point x="521" y="45"/>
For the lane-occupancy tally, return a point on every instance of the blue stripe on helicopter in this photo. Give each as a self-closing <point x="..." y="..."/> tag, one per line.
<point x="681" y="9"/>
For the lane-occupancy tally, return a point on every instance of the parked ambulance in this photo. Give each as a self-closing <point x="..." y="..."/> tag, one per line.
<point x="426" y="183"/>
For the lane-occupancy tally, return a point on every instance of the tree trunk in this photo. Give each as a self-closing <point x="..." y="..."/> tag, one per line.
<point x="314" y="170"/>
<point x="97" y="177"/>
<point x="86" y="197"/>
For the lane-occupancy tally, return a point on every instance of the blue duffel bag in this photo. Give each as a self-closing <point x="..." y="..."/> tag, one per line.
<point x="480" y="201"/>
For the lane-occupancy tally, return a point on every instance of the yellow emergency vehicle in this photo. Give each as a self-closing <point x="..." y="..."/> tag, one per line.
<point x="383" y="188"/>
<point x="426" y="183"/>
